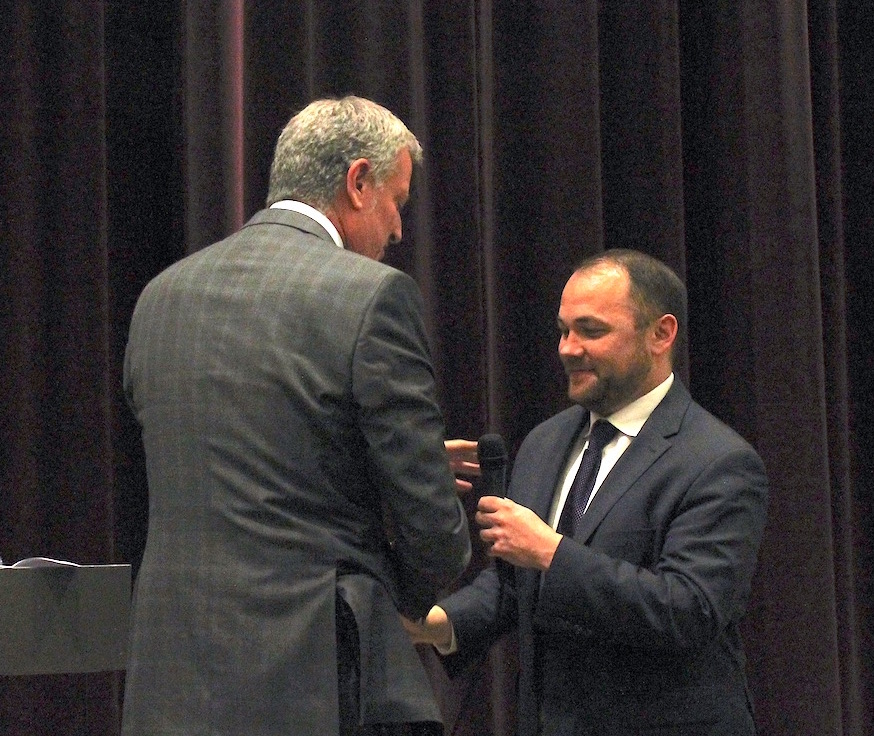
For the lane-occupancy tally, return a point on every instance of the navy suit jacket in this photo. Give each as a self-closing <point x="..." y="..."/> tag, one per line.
<point x="296" y="471"/>
<point x="634" y="627"/>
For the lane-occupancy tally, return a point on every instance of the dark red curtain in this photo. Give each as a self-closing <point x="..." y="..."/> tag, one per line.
<point x="733" y="139"/>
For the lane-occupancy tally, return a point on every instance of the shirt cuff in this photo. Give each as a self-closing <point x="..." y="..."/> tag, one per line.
<point x="453" y="644"/>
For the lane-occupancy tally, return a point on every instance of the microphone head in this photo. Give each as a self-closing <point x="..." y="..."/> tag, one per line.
<point x="491" y="450"/>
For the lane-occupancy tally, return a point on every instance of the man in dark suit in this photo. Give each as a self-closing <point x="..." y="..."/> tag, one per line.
<point x="628" y="612"/>
<point x="301" y="492"/>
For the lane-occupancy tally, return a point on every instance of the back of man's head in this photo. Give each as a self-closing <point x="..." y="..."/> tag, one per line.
<point x="317" y="146"/>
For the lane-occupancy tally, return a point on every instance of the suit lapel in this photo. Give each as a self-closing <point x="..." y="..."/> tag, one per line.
<point x="653" y="440"/>
<point x="554" y="461"/>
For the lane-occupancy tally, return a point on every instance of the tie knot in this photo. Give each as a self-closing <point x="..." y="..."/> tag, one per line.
<point x="601" y="434"/>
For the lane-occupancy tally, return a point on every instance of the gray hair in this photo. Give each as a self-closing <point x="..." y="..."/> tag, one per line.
<point x="317" y="146"/>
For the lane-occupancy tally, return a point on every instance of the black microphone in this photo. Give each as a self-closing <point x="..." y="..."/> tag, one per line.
<point x="492" y="454"/>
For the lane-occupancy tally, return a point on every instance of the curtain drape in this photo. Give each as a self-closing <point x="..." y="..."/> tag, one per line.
<point x="734" y="140"/>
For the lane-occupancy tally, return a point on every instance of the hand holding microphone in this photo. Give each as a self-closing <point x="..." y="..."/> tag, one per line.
<point x="512" y="532"/>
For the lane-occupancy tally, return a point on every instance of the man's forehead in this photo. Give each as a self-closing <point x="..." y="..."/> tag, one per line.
<point x="604" y="274"/>
<point x="599" y="283"/>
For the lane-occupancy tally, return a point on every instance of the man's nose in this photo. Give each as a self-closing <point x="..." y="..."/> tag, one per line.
<point x="570" y="345"/>
<point x="395" y="236"/>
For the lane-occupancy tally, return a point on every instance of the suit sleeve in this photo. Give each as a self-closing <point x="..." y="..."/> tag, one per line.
<point x="677" y="583"/>
<point x="481" y="613"/>
<point x="393" y="385"/>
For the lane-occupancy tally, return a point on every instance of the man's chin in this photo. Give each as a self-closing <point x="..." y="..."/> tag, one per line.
<point x="582" y="380"/>
<point x="584" y="393"/>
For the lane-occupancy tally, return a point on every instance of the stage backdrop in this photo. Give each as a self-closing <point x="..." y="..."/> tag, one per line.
<point x="732" y="139"/>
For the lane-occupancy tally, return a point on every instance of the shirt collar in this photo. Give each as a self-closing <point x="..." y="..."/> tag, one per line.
<point x="311" y="212"/>
<point x="630" y="419"/>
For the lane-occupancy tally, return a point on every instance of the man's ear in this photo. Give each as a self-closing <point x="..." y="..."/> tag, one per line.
<point x="358" y="177"/>
<point x="664" y="333"/>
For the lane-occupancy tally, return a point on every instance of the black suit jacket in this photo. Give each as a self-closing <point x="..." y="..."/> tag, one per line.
<point x="634" y="627"/>
<point x="287" y="402"/>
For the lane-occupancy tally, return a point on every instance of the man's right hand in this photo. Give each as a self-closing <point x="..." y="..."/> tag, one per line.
<point x="463" y="461"/>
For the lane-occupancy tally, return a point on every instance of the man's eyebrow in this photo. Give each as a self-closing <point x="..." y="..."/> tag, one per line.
<point x="582" y="323"/>
<point x="585" y="319"/>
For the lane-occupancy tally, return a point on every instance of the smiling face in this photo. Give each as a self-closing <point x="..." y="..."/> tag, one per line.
<point x="609" y="357"/>
<point x="374" y="221"/>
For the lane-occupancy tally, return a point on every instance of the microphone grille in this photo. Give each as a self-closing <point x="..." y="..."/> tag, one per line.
<point x="491" y="449"/>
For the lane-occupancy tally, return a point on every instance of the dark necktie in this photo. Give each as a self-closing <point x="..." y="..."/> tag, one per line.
<point x="581" y="489"/>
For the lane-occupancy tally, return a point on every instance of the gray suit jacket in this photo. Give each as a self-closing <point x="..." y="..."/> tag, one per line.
<point x="295" y="458"/>
<point x="634" y="628"/>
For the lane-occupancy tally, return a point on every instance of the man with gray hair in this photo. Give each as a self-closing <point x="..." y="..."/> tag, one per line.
<point x="301" y="490"/>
